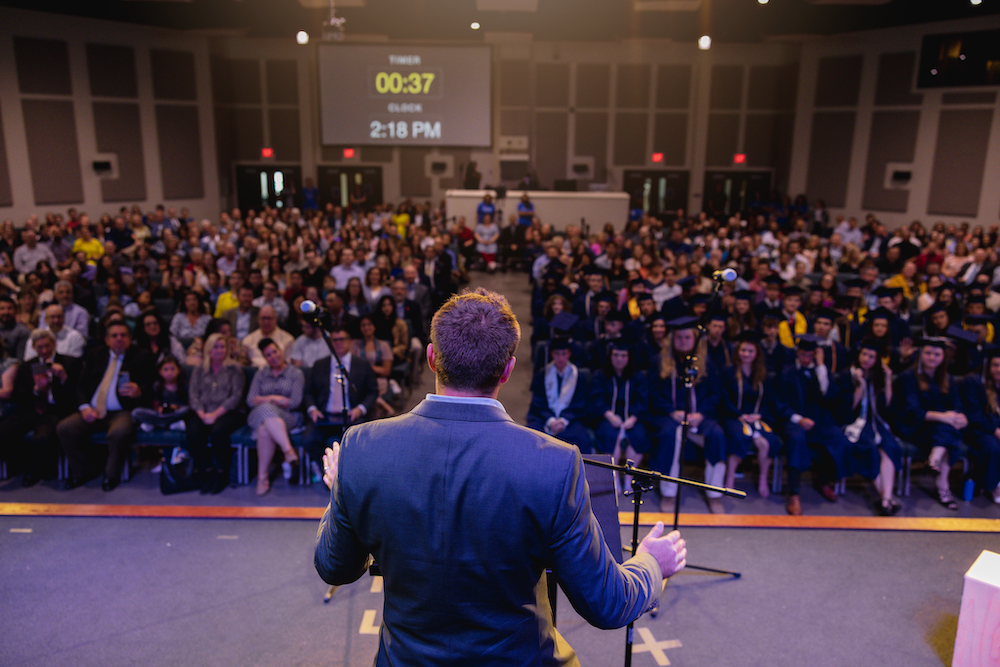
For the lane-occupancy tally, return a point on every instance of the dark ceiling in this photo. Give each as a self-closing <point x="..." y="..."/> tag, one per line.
<point x="576" y="20"/>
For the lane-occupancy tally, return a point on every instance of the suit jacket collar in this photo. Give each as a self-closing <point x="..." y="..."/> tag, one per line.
<point x="460" y="412"/>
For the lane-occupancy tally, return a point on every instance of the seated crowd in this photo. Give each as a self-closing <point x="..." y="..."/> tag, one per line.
<point x="839" y="348"/>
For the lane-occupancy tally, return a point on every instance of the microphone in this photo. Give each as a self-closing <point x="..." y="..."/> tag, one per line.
<point x="722" y="275"/>
<point x="309" y="307"/>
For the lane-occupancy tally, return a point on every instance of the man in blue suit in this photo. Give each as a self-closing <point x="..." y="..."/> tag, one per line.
<point x="463" y="510"/>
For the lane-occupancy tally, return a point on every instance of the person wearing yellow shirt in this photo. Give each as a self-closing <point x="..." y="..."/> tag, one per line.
<point x="401" y="219"/>
<point x="86" y="242"/>
<point x="229" y="300"/>
<point x="793" y="323"/>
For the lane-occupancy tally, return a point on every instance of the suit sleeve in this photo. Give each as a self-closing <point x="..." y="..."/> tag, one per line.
<point x="606" y="594"/>
<point x="339" y="558"/>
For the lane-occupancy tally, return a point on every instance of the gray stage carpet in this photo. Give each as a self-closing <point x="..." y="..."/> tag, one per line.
<point x="243" y="592"/>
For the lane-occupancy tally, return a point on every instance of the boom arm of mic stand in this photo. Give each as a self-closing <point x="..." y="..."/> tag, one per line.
<point x="629" y="469"/>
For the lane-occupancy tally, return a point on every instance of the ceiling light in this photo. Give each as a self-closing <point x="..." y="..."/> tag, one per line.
<point x="762" y="2"/>
<point x="302" y="37"/>
<point x="976" y="2"/>
<point x="475" y="25"/>
<point x="704" y="42"/>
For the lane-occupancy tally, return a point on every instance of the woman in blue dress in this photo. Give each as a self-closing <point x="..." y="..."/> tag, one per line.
<point x="865" y="405"/>
<point x="747" y="411"/>
<point x="980" y="397"/>
<point x="931" y="414"/>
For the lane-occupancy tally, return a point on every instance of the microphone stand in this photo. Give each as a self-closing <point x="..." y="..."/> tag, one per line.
<point x="642" y="482"/>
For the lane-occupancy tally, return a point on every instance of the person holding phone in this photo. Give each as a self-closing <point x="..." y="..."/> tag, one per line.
<point x="43" y="394"/>
<point x="116" y="379"/>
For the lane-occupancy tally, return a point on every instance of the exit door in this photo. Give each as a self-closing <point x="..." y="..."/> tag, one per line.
<point x="730" y="192"/>
<point x="258" y="186"/>
<point x="338" y="184"/>
<point x="657" y="192"/>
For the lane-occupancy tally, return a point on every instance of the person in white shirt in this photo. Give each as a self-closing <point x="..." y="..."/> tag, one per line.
<point x="69" y="342"/>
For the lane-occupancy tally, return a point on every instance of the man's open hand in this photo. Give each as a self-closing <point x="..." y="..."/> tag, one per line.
<point x="669" y="550"/>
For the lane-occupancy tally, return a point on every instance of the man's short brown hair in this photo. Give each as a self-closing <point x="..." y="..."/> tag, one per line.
<point x="474" y="336"/>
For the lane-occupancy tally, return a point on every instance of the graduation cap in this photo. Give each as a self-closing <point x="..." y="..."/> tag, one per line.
<point x="872" y="344"/>
<point x="807" y="342"/>
<point x="719" y="316"/>
<point x="681" y="323"/>
<point x="686" y="281"/>
<point x="645" y="296"/>
<point x="816" y="287"/>
<point x="552" y="274"/>
<point x="619" y="345"/>
<point x="933" y="341"/>
<point x="860" y="283"/>
<point x="827" y="313"/>
<point x="617" y="316"/>
<point x="879" y="314"/>
<point x="936" y="307"/>
<point x="592" y="270"/>
<point x="883" y="292"/>
<point x="774" y="279"/>
<point x="990" y="354"/>
<point x="978" y="320"/>
<point x="957" y="333"/>
<point x="699" y="298"/>
<point x="748" y="336"/>
<point x="564" y="322"/>
<point x="637" y="282"/>
<point x="744" y="295"/>
<point x="792" y="290"/>
<point x="610" y="297"/>
<point x="975" y="298"/>
<point x="559" y="343"/>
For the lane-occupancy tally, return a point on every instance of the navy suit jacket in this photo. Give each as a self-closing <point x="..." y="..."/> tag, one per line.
<point x="479" y="508"/>
<point x="362" y="387"/>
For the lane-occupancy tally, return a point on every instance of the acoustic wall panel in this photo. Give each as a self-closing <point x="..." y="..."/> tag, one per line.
<point x="632" y="86"/>
<point x="959" y="162"/>
<point x="282" y="82"/>
<point x="893" y="139"/>
<point x="6" y="194"/>
<point x="552" y="85"/>
<point x="111" y="71"/>
<point x="969" y="98"/>
<point x="630" y="138"/>
<point x="591" y="139"/>
<point x="235" y="81"/>
<point x="412" y="182"/>
<point x="838" y="79"/>
<point x="460" y="157"/>
<point x="248" y="133"/>
<point x="673" y="87"/>
<point x="895" y="80"/>
<point x="723" y="136"/>
<point x="830" y="156"/>
<point x="53" y="152"/>
<point x="670" y="137"/>
<point x="173" y="75"/>
<point x="514" y="91"/>
<point x="762" y="91"/>
<point x="551" y="130"/>
<point x="515" y="122"/>
<point x="179" y="138"/>
<point x="593" y="83"/>
<point x="118" y="130"/>
<point x="284" y="129"/>
<point x="42" y="66"/>
<point x="727" y="87"/>
<point x="761" y="136"/>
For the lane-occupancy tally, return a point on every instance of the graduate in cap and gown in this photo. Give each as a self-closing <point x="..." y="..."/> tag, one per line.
<point x="931" y="414"/>
<point x="592" y="326"/>
<point x="638" y="328"/>
<point x="620" y="396"/>
<point x="647" y="351"/>
<point x="792" y="322"/>
<point x="804" y="399"/>
<point x="563" y="325"/>
<point x="865" y="391"/>
<point x="670" y="398"/>
<point x="719" y="351"/>
<point x="743" y="317"/>
<point x="559" y="393"/>
<point x="747" y="411"/>
<point x="836" y="357"/>
<point x="979" y="397"/>
<point x="598" y="350"/>
<point x="771" y="301"/>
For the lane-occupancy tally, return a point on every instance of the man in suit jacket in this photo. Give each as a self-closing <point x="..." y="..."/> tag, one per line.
<point x="419" y="293"/>
<point x="324" y="397"/>
<point x="408" y="310"/>
<point x="485" y="507"/>
<point x="44" y="393"/>
<point x="244" y="316"/>
<point x="436" y="273"/>
<point x="106" y="401"/>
